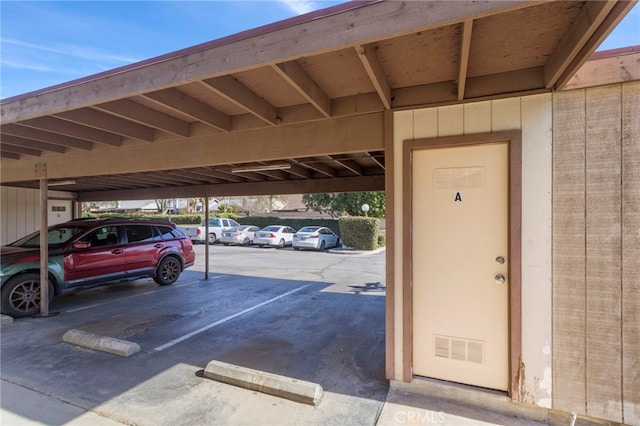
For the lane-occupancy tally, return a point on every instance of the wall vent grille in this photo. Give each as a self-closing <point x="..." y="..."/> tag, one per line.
<point x="459" y="349"/>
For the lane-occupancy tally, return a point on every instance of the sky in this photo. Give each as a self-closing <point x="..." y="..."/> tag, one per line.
<point x="44" y="43"/>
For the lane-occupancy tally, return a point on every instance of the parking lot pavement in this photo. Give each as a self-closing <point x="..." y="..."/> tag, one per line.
<point x="311" y="316"/>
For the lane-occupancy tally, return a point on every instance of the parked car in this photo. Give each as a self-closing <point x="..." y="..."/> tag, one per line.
<point x="241" y="235"/>
<point x="315" y="237"/>
<point x="91" y="252"/>
<point x="275" y="235"/>
<point x="217" y="225"/>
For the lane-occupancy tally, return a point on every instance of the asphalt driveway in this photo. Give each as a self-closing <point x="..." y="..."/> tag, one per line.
<point x="313" y="316"/>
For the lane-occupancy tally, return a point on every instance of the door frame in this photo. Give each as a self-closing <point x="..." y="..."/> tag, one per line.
<point x="513" y="138"/>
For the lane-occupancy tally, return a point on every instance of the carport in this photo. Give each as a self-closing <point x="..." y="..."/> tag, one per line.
<point x="300" y="106"/>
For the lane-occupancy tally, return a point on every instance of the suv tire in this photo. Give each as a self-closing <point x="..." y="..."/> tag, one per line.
<point x="168" y="271"/>
<point x="21" y="295"/>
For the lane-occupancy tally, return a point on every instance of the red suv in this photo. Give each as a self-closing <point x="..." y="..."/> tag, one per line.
<point x="88" y="253"/>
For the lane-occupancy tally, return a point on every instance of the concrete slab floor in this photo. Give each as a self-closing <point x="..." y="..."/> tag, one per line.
<point x="403" y="408"/>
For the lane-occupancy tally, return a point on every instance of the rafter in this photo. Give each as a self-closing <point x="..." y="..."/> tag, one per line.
<point x="465" y="49"/>
<point x="297" y="77"/>
<point x="9" y="155"/>
<point x="233" y="91"/>
<point x="65" y="128"/>
<point x="18" y="141"/>
<point x="369" y="58"/>
<point x="587" y="22"/>
<point x="178" y="101"/>
<point x="134" y="111"/>
<point x="109" y="123"/>
<point x="5" y="147"/>
<point x="350" y="165"/>
<point x="43" y="136"/>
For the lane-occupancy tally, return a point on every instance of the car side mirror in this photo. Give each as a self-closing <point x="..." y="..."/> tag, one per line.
<point x="81" y="245"/>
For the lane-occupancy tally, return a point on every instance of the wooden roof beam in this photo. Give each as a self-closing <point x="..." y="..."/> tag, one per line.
<point x="65" y="128"/>
<point x="300" y="171"/>
<point x="373" y="67"/>
<point x="235" y="92"/>
<point x="377" y="158"/>
<point x="28" y="143"/>
<point x="223" y="176"/>
<point x="9" y="155"/>
<point x="584" y="26"/>
<point x="321" y="167"/>
<point x="350" y="165"/>
<point x="43" y="136"/>
<point x="107" y="122"/>
<point x="618" y="12"/>
<point x="297" y="77"/>
<point x="5" y="147"/>
<point x="146" y="116"/>
<point x="179" y="101"/>
<point x="465" y="49"/>
<point x="187" y="174"/>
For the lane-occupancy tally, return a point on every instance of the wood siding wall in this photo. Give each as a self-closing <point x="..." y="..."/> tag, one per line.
<point x="596" y="252"/>
<point x="20" y="211"/>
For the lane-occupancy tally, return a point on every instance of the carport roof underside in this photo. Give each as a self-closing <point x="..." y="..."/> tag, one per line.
<point x="293" y="107"/>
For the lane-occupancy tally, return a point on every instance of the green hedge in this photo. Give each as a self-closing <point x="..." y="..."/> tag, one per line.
<point x="296" y="224"/>
<point x="360" y="233"/>
<point x="181" y="219"/>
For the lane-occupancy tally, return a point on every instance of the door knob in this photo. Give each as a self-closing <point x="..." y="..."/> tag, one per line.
<point x="500" y="279"/>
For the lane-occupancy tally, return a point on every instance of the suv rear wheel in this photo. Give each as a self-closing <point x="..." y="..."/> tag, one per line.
<point x="21" y="295"/>
<point x="168" y="271"/>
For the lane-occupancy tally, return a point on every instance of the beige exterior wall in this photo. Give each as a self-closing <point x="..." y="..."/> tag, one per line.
<point x="20" y="211"/>
<point x="533" y="116"/>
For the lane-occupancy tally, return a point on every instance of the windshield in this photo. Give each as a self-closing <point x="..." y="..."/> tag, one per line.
<point x="309" y="229"/>
<point x="57" y="236"/>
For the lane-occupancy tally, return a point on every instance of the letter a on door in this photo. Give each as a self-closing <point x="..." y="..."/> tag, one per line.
<point x="458" y="197"/>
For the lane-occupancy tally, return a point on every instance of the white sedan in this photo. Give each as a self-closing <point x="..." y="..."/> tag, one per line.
<point x="315" y="237"/>
<point x="274" y="235"/>
<point x="242" y="235"/>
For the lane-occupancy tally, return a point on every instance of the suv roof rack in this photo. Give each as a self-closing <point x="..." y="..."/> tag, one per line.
<point x="122" y="219"/>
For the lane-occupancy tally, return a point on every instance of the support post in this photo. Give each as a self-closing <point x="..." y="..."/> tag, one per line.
<point x="206" y="237"/>
<point x="41" y="172"/>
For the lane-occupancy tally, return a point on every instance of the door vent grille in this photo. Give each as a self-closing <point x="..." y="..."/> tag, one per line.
<point x="459" y="349"/>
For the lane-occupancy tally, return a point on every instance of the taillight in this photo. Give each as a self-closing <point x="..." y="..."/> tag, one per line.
<point x="198" y="232"/>
<point x="315" y="236"/>
<point x="237" y="234"/>
<point x="272" y="236"/>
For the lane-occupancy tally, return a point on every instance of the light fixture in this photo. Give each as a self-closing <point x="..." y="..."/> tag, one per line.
<point x="262" y="168"/>
<point x="62" y="183"/>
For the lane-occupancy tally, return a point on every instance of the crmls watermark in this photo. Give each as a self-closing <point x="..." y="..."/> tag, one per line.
<point x="419" y="417"/>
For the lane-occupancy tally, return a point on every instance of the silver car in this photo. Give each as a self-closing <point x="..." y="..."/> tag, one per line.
<point x="242" y="235"/>
<point x="315" y="237"/>
<point x="275" y="235"/>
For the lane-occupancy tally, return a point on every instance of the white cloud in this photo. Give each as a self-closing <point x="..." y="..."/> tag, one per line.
<point x="300" y="6"/>
<point x="79" y="52"/>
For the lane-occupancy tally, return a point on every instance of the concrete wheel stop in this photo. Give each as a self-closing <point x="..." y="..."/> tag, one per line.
<point x="101" y="343"/>
<point x="272" y="384"/>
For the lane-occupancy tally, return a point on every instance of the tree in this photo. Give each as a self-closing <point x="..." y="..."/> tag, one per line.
<point x="349" y="203"/>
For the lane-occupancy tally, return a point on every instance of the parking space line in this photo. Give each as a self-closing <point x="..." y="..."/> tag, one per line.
<point x="84" y="308"/>
<point x="223" y="320"/>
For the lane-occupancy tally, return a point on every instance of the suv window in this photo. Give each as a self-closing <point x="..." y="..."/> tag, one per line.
<point x="103" y="236"/>
<point x="169" y="233"/>
<point x="141" y="233"/>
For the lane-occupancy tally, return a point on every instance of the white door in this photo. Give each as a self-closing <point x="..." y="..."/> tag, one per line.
<point x="60" y="211"/>
<point x="459" y="273"/>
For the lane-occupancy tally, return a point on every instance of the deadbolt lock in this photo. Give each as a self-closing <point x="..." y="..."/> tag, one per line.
<point x="500" y="260"/>
<point x="500" y="279"/>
